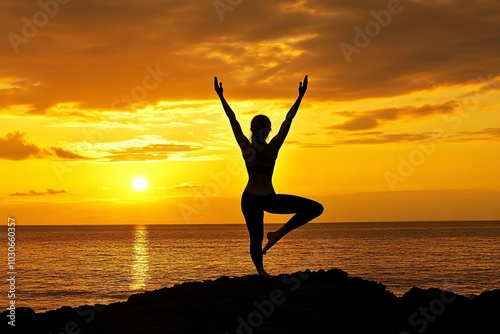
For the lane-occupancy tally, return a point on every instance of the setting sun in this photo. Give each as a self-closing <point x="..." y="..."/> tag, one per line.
<point x="139" y="183"/>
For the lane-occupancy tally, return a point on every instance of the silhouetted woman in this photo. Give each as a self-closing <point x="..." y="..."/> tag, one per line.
<point x="259" y="194"/>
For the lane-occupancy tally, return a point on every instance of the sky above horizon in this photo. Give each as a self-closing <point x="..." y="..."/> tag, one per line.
<point x="400" y="120"/>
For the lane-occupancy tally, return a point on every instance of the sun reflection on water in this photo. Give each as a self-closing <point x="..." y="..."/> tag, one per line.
<point x="140" y="263"/>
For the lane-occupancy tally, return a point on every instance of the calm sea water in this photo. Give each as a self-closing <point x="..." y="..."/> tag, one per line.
<point x="75" y="265"/>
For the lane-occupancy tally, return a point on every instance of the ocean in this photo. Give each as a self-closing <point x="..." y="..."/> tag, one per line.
<point x="75" y="265"/>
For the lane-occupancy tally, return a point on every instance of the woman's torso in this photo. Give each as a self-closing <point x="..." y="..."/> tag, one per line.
<point x="260" y="166"/>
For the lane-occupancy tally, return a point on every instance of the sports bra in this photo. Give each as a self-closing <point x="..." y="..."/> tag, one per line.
<point x="260" y="169"/>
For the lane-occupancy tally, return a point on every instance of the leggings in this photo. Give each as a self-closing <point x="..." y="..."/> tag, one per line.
<point x="253" y="207"/>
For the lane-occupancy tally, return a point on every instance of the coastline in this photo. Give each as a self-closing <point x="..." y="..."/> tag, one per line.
<point x="304" y="302"/>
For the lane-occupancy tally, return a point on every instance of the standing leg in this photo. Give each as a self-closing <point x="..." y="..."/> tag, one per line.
<point x="305" y="210"/>
<point x="254" y="218"/>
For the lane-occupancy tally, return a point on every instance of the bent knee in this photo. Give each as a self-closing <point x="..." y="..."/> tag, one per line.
<point x="317" y="209"/>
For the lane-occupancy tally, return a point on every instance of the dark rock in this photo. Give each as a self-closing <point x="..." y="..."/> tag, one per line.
<point x="304" y="302"/>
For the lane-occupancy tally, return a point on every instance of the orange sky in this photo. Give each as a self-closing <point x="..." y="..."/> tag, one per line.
<point x="400" y="122"/>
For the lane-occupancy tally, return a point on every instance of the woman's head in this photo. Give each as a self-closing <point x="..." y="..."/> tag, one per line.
<point x="260" y="127"/>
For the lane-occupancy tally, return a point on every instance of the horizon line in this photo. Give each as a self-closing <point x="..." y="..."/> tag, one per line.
<point x="273" y="223"/>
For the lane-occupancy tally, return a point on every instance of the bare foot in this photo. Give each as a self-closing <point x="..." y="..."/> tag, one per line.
<point x="262" y="272"/>
<point x="272" y="238"/>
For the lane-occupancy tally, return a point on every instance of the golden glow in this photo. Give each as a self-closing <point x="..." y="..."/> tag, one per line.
<point x="139" y="183"/>
<point x="140" y="263"/>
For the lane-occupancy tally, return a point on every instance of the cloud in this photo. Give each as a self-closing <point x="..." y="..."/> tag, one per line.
<point x="14" y="146"/>
<point x="179" y="186"/>
<point x="383" y="138"/>
<point x="36" y="193"/>
<point x="487" y="134"/>
<point x="358" y="123"/>
<point x="365" y="120"/>
<point x="488" y="84"/>
<point x="148" y="152"/>
<point x="263" y="45"/>
<point x="65" y="154"/>
<point x="185" y="185"/>
<point x="141" y="148"/>
<point x="377" y="137"/>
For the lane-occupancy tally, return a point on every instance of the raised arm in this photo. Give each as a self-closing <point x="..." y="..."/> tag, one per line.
<point x="235" y="125"/>
<point x="278" y="140"/>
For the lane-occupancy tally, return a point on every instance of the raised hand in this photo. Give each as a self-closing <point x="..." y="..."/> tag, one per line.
<point x="302" y="86"/>
<point x="218" y="87"/>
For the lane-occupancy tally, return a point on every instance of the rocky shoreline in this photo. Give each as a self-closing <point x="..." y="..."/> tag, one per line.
<point x="304" y="302"/>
